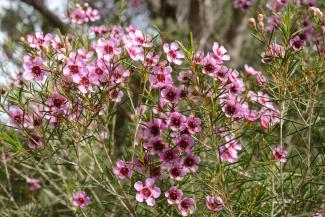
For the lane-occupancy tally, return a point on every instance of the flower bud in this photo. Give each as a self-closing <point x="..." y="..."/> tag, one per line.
<point x="260" y="25"/>
<point x="252" y="22"/>
<point x="260" y="17"/>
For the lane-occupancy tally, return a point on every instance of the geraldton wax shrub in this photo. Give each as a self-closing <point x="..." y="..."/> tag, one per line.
<point x="109" y="120"/>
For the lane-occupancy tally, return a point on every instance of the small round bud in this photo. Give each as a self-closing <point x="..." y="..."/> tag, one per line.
<point x="260" y="25"/>
<point x="260" y="17"/>
<point x="252" y="22"/>
<point x="86" y="4"/>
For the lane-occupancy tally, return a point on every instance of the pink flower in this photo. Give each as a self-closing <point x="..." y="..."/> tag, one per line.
<point x="119" y="75"/>
<point x="176" y="121"/>
<point x="219" y="53"/>
<point x="190" y="162"/>
<point x="116" y="95"/>
<point x="186" y="206"/>
<point x="232" y="108"/>
<point x="106" y="49"/>
<point x="123" y="170"/>
<point x="280" y="154"/>
<point x="57" y="102"/>
<point x="33" y="184"/>
<point x="78" y="16"/>
<point x="85" y="84"/>
<point x="198" y="58"/>
<point x="17" y="117"/>
<point x="184" y="142"/>
<point x="243" y="4"/>
<point x="38" y="40"/>
<point x="75" y="68"/>
<point x="80" y="199"/>
<point x="147" y="192"/>
<point x="161" y="77"/>
<point x="173" y="195"/>
<point x="151" y="60"/>
<point x="98" y="72"/>
<point x="274" y="51"/>
<point x="185" y="77"/>
<point x="92" y="14"/>
<point x="135" y="52"/>
<point x="297" y="43"/>
<point x="156" y="145"/>
<point x="169" y="156"/>
<point x="215" y="204"/>
<point x="252" y="115"/>
<point x="173" y="54"/>
<point x="170" y="94"/>
<point x="236" y="88"/>
<point x="228" y="154"/>
<point x="250" y="70"/>
<point x="318" y="215"/>
<point x="260" y="79"/>
<point x="193" y="124"/>
<point x="154" y="128"/>
<point x="176" y="171"/>
<point x="140" y="39"/>
<point x="34" y="68"/>
<point x="34" y="141"/>
<point x="210" y="66"/>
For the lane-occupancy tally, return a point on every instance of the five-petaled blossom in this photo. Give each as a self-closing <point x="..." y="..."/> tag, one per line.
<point x="214" y="204"/>
<point x="147" y="191"/>
<point x="280" y="154"/>
<point x="173" y="54"/>
<point x="80" y="199"/>
<point x="123" y="170"/>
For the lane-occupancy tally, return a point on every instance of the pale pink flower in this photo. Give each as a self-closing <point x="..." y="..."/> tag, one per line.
<point x="92" y="14"/>
<point x="193" y="124"/>
<point x="135" y="52"/>
<point x="151" y="60"/>
<point x="219" y="53"/>
<point x="176" y="121"/>
<point x="186" y="206"/>
<point x="34" y="141"/>
<point x="107" y="49"/>
<point x="38" y="40"/>
<point x="56" y="102"/>
<point x="78" y="16"/>
<point x="80" y="199"/>
<point x="34" y="68"/>
<point x="170" y="94"/>
<point x="184" y="142"/>
<point x="176" y="171"/>
<point x="147" y="191"/>
<point x="190" y="162"/>
<point x="17" y="117"/>
<point x="280" y="154"/>
<point x="161" y="77"/>
<point x="33" y="184"/>
<point x="140" y="39"/>
<point x="123" y="170"/>
<point x="173" y="54"/>
<point x="250" y="71"/>
<point x="214" y="204"/>
<point x="173" y="195"/>
<point x="155" y="145"/>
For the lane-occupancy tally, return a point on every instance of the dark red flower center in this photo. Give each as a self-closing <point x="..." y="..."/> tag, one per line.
<point x="173" y="195"/>
<point x="74" y="69"/>
<point x="146" y="192"/>
<point x="124" y="171"/>
<point x="36" y="70"/>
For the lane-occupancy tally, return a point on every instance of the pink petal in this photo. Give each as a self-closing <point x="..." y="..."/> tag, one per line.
<point x="138" y="185"/>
